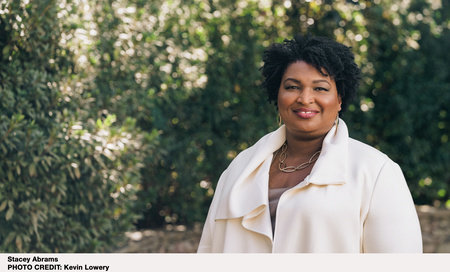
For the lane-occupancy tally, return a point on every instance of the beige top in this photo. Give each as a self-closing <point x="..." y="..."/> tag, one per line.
<point x="274" y="197"/>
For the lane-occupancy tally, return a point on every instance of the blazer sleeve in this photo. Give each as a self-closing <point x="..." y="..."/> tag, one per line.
<point x="392" y="224"/>
<point x="205" y="245"/>
<point x="206" y="240"/>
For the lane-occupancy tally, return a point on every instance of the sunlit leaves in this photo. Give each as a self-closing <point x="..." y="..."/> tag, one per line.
<point x="58" y="170"/>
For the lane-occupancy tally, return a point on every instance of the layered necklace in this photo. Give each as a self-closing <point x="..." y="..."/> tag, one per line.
<point x="289" y="169"/>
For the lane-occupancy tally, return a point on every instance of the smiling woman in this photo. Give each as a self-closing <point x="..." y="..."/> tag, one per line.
<point x="308" y="101"/>
<point x="308" y="187"/>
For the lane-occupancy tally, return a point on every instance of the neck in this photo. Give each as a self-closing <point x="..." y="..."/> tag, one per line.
<point x="302" y="148"/>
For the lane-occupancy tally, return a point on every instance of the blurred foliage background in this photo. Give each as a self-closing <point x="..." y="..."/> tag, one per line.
<point x="117" y="114"/>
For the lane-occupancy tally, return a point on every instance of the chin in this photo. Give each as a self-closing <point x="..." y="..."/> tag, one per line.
<point x="307" y="132"/>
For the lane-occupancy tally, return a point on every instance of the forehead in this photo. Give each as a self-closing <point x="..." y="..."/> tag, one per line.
<point x="301" y="69"/>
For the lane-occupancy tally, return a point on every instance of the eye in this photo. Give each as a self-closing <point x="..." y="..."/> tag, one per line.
<point x="321" y="89"/>
<point x="292" y="87"/>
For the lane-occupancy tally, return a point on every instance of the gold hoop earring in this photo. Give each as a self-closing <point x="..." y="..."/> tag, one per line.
<point x="279" y="120"/>
<point x="337" y="124"/>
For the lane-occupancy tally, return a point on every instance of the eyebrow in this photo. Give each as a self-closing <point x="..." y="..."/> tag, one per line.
<point x="314" y="81"/>
<point x="292" y="79"/>
<point x="321" y="80"/>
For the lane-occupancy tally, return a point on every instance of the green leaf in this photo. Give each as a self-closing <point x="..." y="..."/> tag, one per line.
<point x="9" y="213"/>
<point x="34" y="221"/>
<point x="5" y="52"/>
<point x="32" y="170"/>
<point x="19" y="243"/>
<point x="10" y="176"/>
<point x="3" y="205"/>
<point x="77" y="172"/>
<point x="9" y="238"/>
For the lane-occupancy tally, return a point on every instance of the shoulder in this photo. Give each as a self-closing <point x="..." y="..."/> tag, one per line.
<point x="256" y="153"/>
<point x="365" y="152"/>
<point x="367" y="158"/>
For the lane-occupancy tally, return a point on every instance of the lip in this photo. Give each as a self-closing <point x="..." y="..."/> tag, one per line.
<point x="305" y="113"/>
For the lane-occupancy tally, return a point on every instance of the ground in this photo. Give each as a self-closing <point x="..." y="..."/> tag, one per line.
<point x="435" y="224"/>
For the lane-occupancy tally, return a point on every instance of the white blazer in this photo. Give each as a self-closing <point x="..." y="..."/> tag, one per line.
<point x="354" y="200"/>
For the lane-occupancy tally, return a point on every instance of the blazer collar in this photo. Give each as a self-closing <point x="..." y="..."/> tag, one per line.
<point x="245" y="187"/>
<point x="331" y="166"/>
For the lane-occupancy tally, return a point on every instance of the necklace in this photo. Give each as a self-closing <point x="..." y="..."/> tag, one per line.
<point x="289" y="169"/>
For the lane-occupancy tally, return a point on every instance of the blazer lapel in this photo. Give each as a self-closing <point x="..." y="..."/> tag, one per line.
<point x="246" y="187"/>
<point x="331" y="166"/>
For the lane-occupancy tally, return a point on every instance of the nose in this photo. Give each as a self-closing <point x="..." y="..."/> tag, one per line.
<point x="306" y="96"/>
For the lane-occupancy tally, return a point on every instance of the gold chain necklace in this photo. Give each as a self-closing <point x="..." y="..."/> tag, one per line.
<point x="289" y="169"/>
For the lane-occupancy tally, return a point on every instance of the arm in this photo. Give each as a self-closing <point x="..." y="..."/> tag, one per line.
<point x="391" y="225"/>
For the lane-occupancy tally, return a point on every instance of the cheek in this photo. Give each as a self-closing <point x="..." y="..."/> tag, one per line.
<point x="333" y="104"/>
<point x="285" y="98"/>
<point x="281" y="100"/>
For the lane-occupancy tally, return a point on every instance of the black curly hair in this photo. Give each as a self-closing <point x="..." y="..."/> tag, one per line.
<point x="323" y="53"/>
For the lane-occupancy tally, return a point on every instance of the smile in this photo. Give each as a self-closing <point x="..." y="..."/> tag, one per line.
<point x="306" y="113"/>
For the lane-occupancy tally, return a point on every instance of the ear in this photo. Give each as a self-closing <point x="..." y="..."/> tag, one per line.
<point x="340" y="102"/>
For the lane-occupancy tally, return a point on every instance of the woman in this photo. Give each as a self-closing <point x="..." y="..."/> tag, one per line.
<point x="308" y="187"/>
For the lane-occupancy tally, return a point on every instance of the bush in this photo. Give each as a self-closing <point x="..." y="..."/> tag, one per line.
<point x="405" y="99"/>
<point x="67" y="181"/>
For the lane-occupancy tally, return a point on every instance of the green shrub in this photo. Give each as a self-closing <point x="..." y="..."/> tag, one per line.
<point x="406" y="95"/>
<point x="67" y="182"/>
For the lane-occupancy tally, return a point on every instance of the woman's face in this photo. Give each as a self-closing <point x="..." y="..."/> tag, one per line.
<point x="308" y="102"/>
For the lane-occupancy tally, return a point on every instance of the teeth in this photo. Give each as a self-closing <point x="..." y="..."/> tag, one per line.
<point x="306" y="111"/>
